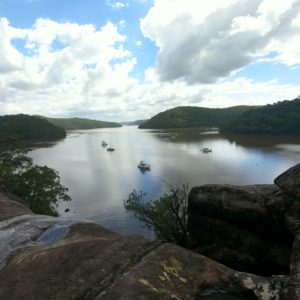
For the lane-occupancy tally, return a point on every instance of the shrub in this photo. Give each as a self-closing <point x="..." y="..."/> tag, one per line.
<point x="167" y="216"/>
<point x="38" y="186"/>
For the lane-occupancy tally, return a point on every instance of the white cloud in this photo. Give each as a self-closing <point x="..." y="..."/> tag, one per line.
<point x="204" y="41"/>
<point x="116" y="4"/>
<point x="138" y="43"/>
<point x="11" y="58"/>
<point x="81" y="70"/>
<point x="122" y="23"/>
<point x="68" y="65"/>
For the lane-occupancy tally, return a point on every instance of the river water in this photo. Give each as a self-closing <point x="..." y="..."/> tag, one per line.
<point x="99" y="181"/>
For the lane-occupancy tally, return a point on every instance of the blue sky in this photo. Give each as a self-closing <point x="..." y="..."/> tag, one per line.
<point x="125" y="60"/>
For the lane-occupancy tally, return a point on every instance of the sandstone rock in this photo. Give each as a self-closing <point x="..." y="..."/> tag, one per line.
<point x="289" y="181"/>
<point x="292" y="291"/>
<point x="88" y="262"/>
<point x="171" y="272"/>
<point x="11" y="206"/>
<point x="79" y="265"/>
<point x="244" y="227"/>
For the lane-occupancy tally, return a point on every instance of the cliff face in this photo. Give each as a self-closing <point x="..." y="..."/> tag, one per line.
<point x="58" y="258"/>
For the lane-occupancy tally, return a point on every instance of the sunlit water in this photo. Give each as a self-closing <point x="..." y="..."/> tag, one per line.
<point x="99" y="181"/>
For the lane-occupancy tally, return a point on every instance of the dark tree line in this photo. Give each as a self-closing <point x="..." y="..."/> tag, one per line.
<point x="279" y="118"/>
<point x="28" y="128"/>
<point x="189" y="117"/>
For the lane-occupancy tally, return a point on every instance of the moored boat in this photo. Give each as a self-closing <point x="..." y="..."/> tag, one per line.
<point x="144" y="166"/>
<point x="206" y="150"/>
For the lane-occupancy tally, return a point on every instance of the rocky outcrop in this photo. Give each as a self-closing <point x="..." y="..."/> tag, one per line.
<point x="289" y="181"/>
<point x="251" y="228"/>
<point x="292" y="291"/>
<point x="49" y="258"/>
<point x="11" y="205"/>
<point x="243" y="227"/>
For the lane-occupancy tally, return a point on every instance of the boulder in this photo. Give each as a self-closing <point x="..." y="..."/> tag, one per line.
<point x="244" y="227"/>
<point x="289" y="181"/>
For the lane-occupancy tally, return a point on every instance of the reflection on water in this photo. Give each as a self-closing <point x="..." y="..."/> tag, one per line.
<point x="99" y="181"/>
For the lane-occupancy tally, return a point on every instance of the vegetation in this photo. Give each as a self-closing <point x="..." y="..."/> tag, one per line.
<point x="280" y="118"/>
<point x="38" y="186"/>
<point x="79" y="123"/>
<point x="189" y="116"/>
<point x="137" y="122"/>
<point x="28" y="128"/>
<point x="167" y="216"/>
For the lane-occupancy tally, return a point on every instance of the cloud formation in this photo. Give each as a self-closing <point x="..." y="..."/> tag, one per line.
<point x="68" y="69"/>
<point x="65" y="65"/>
<point x="201" y="42"/>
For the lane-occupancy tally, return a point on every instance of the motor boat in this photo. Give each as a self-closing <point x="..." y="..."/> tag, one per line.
<point x="206" y="150"/>
<point x="144" y="166"/>
<point x="104" y="144"/>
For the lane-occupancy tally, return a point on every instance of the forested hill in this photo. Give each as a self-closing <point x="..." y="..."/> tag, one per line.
<point x="279" y="118"/>
<point x="28" y="128"/>
<point x="190" y="116"/>
<point x="79" y="123"/>
<point x="137" y="122"/>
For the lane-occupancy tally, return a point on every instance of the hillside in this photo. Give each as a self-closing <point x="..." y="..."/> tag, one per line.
<point x="79" y="123"/>
<point x="279" y="118"/>
<point x="28" y="128"/>
<point x="136" y="122"/>
<point x="190" y="116"/>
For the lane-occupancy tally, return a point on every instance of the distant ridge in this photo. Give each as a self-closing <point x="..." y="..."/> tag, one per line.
<point x="136" y="122"/>
<point x="80" y="123"/>
<point x="192" y="116"/>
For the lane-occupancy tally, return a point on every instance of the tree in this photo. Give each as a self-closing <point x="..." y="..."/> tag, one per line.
<point x="38" y="186"/>
<point x="167" y="216"/>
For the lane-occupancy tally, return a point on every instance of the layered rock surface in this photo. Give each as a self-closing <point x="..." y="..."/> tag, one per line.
<point x="57" y="258"/>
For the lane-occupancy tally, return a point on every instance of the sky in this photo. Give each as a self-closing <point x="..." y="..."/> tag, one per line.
<point x="122" y="60"/>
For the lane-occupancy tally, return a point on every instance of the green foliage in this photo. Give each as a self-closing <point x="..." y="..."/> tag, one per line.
<point x="79" y="123"/>
<point x="136" y="122"/>
<point x="279" y="118"/>
<point x="189" y="116"/>
<point x="28" y="128"/>
<point x="167" y="216"/>
<point x="38" y="186"/>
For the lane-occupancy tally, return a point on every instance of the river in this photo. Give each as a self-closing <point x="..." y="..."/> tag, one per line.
<point x="99" y="180"/>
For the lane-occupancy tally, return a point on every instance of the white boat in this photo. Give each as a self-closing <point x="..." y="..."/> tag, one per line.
<point x="206" y="150"/>
<point x="104" y="144"/>
<point x="143" y="166"/>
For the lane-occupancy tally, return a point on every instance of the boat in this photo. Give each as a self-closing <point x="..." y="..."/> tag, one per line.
<point x="144" y="166"/>
<point x="104" y="144"/>
<point x="206" y="150"/>
<point x="110" y="149"/>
